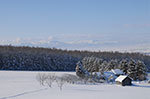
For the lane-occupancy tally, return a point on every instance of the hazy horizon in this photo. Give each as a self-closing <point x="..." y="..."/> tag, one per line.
<point x="80" y="24"/>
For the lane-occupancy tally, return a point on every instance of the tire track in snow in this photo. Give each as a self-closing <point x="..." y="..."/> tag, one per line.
<point x="24" y="93"/>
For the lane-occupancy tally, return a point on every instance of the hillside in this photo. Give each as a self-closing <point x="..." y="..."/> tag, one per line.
<point x="23" y="85"/>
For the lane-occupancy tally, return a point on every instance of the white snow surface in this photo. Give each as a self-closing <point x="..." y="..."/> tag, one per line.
<point x="23" y="85"/>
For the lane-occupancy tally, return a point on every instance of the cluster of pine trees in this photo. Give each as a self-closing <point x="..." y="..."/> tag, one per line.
<point x="52" y="59"/>
<point x="35" y="59"/>
<point x="136" y="69"/>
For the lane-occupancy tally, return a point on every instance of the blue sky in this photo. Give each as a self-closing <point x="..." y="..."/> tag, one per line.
<point x="123" y="21"/>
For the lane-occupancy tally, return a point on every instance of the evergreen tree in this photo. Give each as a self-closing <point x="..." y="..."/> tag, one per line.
<point x="123" y="65"/>
<point x="103" y="67"/>
<point x="113" y="64"/>
<point x="132" y="69"/>
<point x="91" y="64"/>
<point x="141" y="70"/>
<point x="80" y="71"/>
<point x="137" y="70"/>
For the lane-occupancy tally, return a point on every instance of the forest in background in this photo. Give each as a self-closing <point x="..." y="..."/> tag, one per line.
<point x="52" y="59"/>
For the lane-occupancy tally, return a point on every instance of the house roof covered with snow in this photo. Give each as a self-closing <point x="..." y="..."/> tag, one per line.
<point x="108" y="74"/>
<point x="117" y="71"/>
<point x="121" y="78"/>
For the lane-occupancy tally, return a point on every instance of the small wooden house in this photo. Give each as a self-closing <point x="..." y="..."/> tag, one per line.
<point x="124" y="80"/>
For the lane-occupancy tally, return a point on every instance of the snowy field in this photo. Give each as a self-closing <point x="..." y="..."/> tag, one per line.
<point x="23" y="85"/>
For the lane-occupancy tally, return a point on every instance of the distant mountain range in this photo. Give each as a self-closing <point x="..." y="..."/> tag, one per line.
<point x="92" y="45"/>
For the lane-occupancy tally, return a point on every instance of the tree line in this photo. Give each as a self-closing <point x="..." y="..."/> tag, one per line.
<point x="52" y="59"/>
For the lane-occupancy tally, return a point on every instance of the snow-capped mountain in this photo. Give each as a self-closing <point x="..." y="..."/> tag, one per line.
<point x="88" y="43"/>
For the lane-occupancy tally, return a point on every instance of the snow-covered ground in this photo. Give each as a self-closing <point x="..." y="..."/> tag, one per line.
<point x="23" y="85"/>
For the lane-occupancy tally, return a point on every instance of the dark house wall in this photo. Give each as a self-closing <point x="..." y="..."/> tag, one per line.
<point x="126" y="81"/>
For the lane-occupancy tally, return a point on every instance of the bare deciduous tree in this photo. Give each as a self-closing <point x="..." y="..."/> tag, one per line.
<point x="41" y="78"/>
<point x="60" y="82"/>
<point x="50" y="79"/>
